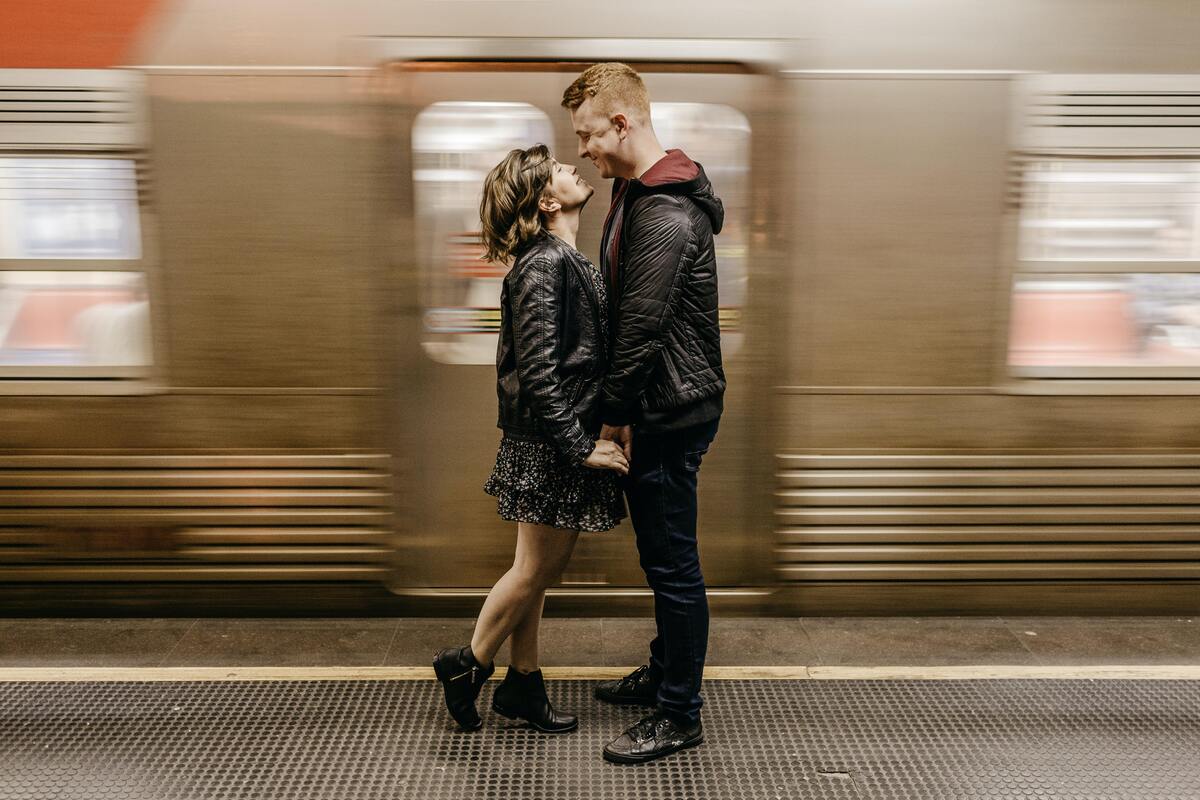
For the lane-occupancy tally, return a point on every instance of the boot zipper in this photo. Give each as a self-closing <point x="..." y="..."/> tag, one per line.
<point x="470" y="672"/>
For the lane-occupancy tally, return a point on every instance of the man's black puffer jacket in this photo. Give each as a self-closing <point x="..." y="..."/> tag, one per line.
<point x="665" y="369"/>
<point x="550" y="359"/>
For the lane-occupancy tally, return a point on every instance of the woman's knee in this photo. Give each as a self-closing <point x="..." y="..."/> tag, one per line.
<point x="543" y="556"/>
<point x="535" y="576"/>
<point x="545" y="578"/>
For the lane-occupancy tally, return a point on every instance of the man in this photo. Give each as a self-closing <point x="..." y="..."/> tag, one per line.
<point x="665" y="381"/>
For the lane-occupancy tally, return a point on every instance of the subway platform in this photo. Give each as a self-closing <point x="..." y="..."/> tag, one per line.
<point x="1042" y="707"/>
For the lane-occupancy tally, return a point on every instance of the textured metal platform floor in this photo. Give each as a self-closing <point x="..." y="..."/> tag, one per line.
<point x="1119" y="739"/>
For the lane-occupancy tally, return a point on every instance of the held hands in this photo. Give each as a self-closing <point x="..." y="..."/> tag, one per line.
<point x="622" y="435"/>
<point x="607" y="455"/>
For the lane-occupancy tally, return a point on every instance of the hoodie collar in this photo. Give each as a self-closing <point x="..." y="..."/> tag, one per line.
<point x="674" y="167"/>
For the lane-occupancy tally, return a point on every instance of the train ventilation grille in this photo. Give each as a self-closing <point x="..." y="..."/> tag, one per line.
<point x="86" y="109"/>
<point x="988" y="517"/>
<point x="266" y="517"/>
<point x="1108" y="113"/>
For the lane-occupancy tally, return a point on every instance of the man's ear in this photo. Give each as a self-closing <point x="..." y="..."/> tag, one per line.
<point x="548" y="204"/>
<point x="621" y="123"/>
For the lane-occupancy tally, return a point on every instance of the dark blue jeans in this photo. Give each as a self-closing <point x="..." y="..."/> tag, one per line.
<point x="661" y="490"/>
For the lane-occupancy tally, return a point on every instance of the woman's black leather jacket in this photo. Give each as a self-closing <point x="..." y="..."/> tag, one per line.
<point x="551" y="358"/>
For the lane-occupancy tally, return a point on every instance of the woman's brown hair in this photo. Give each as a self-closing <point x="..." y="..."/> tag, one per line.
<point x="509" y="208"/>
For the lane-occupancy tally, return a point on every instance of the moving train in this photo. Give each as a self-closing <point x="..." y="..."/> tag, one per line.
<point x="246" y="344"/>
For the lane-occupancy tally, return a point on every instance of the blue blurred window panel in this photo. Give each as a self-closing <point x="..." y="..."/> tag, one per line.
<point x="455" y="145"/>
<point x="1108" y="276"/>
<point x="73" y="319"/>
<point x="69" y="208"/>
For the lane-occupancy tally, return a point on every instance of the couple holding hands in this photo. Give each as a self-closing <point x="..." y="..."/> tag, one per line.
<point x="610" y="390"/>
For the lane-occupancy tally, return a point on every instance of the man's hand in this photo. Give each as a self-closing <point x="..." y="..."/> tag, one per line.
<point x="622" y="435"/>
<point x="607" y="455"/>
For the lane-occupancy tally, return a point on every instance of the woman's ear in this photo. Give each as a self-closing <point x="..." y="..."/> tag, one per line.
<point x="549" y="204"/>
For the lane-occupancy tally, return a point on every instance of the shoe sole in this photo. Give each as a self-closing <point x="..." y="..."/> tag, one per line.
<point x="445" y="681"/>
<point x="617" y="758"/>
<point x="512" y="715"/>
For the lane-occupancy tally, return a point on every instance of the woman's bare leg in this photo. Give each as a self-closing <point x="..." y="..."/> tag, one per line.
<point x="524" y="640"/>
<point x="542" y="554"/>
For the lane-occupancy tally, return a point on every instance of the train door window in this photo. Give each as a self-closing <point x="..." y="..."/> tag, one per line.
<point x="455" y="145"/>
<point x="718" y="137"/>
<point x="1108" y="282"/>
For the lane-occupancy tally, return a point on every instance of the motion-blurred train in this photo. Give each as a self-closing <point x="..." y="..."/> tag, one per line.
<point x="246" y="342"/>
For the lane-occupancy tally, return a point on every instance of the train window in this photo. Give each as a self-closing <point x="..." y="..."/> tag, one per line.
<point x="1112" y="324"/>
<point x="1108" y="279"/>
<point x="86" y="319"/>
<point x="718" y="136"/>
<point x="74" y="242"/>
<point x="455" y="145"/>
<point x="1128" y="210"/>
<point x="71" y="319"/>
<point x="68" y="208"/>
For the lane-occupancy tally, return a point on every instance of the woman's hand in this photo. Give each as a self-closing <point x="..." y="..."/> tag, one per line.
<point x="622" y="435"/>
<point x="608" y="455"/>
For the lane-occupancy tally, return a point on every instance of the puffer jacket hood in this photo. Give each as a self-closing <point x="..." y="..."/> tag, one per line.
<point x="678" y="174"/>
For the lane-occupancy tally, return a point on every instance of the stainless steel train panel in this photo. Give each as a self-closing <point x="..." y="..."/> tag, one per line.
<point x="988" y="517"/>
<point x="1108" y="114"/>
<point x="72" y="109"/>
<point x="181" y="517"/>
<point x="900" y="186"/>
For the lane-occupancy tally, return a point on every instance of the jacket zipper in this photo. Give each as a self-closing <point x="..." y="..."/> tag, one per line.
<point x="594" y="304"/>
<point x="601" y="338"/>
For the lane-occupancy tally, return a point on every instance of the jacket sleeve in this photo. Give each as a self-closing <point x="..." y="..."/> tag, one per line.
<point x="656" y="252"/>
<point x="536" y="296"/>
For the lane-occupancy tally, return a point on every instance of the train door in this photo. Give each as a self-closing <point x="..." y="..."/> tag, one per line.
<point x="454" y="120"/>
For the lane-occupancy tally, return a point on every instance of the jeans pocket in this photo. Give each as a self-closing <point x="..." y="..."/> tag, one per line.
<point x="696" y="446"/>
<point x="692" y="459"/>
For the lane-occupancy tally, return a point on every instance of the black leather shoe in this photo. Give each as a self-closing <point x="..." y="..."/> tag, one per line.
<point x="462" y="678"/>
<point x="652" y="737"/>
<point x="523" y="696"/>
<point x="635" y="689"/>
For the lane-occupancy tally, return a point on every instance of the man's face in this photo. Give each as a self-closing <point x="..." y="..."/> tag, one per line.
<point x="599" y="139"/>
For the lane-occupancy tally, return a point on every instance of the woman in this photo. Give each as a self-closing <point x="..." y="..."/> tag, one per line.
<point x="552" y="476"/>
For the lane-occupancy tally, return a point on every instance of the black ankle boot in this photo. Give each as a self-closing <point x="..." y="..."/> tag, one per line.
<point x="522" y="696"/>
<point x="462" y="678"/>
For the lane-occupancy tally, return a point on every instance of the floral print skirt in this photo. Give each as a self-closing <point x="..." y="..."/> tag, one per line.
<point x="533" y="483"/>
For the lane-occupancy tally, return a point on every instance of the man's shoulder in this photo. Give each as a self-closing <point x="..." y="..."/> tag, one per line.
<point x="659" y="209"/>
<point x="651" y="200"/>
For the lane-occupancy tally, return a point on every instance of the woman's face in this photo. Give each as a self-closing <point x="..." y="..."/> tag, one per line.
<point x="570" y="190"/>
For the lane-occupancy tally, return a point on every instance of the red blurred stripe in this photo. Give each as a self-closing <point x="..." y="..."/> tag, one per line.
<point x="71" y="33"/>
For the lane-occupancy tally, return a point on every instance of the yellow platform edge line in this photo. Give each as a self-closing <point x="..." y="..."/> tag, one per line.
<point x="975" y="672"/>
